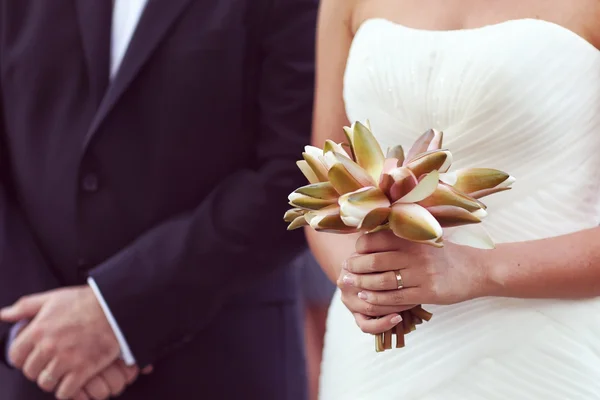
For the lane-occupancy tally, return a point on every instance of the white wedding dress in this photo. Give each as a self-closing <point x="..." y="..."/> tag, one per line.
<point x="522" y="96"/>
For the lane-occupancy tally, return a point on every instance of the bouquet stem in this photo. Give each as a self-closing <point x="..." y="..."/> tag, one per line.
<point x="410" y="319"/>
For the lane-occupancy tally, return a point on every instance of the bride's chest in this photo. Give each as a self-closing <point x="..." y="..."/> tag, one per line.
<point x="522" y="86"/>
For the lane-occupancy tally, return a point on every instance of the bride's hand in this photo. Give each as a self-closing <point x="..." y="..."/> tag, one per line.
<point x="370" y="318"/>
<point x="429" y="275"/>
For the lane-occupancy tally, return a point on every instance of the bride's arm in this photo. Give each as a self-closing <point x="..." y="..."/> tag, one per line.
<point x="562" y="267"/>
<point x="334" y="35"/>
<point x="566" y="266"/>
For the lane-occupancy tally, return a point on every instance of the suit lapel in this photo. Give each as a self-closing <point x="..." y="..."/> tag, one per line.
<point x="154" y="24"/>
<point x="95" y="19"/>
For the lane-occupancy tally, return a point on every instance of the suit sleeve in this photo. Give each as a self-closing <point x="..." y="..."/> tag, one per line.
<point x="168" y="284"/>
<point x="23" y="269"/>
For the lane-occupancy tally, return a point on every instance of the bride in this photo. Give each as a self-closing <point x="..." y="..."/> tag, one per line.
<point x="514" y="85"/>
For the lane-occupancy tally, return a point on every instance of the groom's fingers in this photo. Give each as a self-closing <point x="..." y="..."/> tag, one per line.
<point x="36" y="362"/>
<point x="81" y="396"/>
<point x="71" y="384"/>
<point x="376" y="325"/>
<point x="130" y="373"/>
<point x="115" y="378"/>
<point x="98" y="388"/>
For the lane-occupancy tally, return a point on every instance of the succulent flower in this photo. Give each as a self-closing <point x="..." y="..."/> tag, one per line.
<point x="413" y="194"/>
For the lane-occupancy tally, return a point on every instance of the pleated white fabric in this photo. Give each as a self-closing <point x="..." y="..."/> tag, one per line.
<point x="522" y="96"/>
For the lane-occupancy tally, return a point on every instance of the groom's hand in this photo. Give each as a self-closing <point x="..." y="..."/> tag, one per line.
<point x="67" y="342"/>
<point x="111" y="382"/>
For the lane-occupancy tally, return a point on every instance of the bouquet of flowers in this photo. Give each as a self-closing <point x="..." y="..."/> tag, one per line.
<point x="413" y="194"/>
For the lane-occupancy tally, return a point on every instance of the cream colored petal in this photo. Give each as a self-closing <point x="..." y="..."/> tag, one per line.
<point x="328" y="220"/>
<point x="367" y="151"/>
<point x="446" y="195"/>
<point x="375" y="218"/>
<point x="355" y="206"/>
<point x="293" y="213"/>
<point x="425" y="188"/>
<point x="415" y="223"/>
<point x="313" y="151"/>
<point x="309" y="203"/>
<point x="439" y="160"/>
<point x="470" y="235"/>
<point x="420" y="145"/>
<point x="390" y="164"/>
<point x="316" y="165"/>
<point x="486" y="192"/>
<point x="449" y="216"/>
<point x="297" y="223"/>
<point x="307" y="171"/>
<point x="321" y="190"/>
<point x="396" y="152"/>
<point x="472" y="180"/>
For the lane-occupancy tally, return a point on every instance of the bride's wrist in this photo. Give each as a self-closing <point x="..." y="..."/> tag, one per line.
<point x="493" y="279"/>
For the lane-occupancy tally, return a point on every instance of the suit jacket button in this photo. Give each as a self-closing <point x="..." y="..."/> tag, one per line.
<point x="90" y="183"/>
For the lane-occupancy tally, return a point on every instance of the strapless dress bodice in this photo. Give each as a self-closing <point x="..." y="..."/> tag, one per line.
<point x="522" y="96"/>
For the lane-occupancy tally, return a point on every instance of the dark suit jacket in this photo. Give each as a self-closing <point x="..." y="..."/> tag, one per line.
<point x="168" y="189"/>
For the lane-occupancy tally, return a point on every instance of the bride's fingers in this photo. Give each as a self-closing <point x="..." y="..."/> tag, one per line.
<point x="353" y="302"/>
<point x="387" y="280"/>
<point x="379" y="262"/>
<point x="376" y="325"/>
<point x="393" y="298"/>
<point x="378" y="242"/>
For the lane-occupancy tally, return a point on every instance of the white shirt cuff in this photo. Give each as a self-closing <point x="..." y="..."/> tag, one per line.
<point x="126" y="353"/>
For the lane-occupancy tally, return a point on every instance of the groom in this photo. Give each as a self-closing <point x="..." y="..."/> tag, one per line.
<point x="147" y="151"/>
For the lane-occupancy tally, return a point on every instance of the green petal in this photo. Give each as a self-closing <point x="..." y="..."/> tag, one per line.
<point x="413" y="222"/>
<point x="367" y="151"/>
<point x="356" y="170"/>
<point x="307" y="171"/>
<point x="297" y="223"/>
<point x="375" y="218"/>
<point x="332" y="146"/>
<point x="449" y="216"/>
<point x="446" y="195"/>
<point x="439" y="160"/>
<point x="349" y="136"/>
<point x="317" y="166"/>
<point x="425" y="188"/>
<point x="309" y="203"/>
<point x="473" y="180"/>
<point x="357" y="205"/>
<point x="293" y="213"/>
<point x="321" y="190"/>
<point x="342" y="180"/>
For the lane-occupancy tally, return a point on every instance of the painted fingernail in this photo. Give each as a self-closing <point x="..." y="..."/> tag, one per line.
<point x="362" y="296"/>
<point x="347" y="279"/>
<point x="396" y="320"/>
